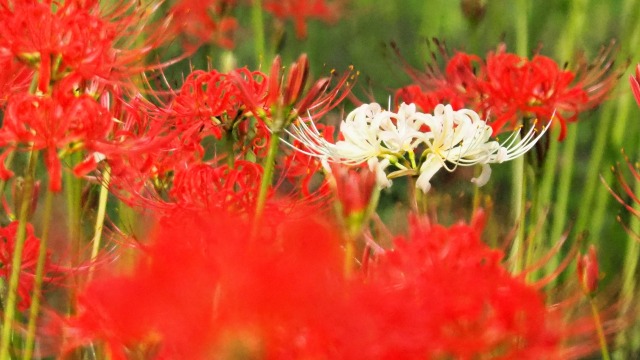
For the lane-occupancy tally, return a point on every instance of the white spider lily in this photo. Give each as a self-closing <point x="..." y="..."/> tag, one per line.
<point x="461" y="138"/>
<point x="383" y="138"/>
<point x="370" y="135"/>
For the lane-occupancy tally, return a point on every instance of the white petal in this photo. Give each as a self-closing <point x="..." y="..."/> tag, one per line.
<point x="484" y="176"/>
<point x="428" y="169"/>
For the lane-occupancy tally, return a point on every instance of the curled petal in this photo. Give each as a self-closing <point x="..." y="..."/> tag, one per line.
<point x="484" y="176"/>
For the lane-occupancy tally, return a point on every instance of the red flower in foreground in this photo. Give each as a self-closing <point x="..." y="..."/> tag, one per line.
<point x="447" y="295"/>
<point x="215" y="286"/>
<point x="509" y="88"/>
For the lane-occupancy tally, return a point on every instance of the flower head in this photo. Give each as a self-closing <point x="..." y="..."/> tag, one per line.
<point x="635" y="84"/>
<point x="507" y="88"/>
<point x="461" y="138"/>
<point x="414" y="143"/>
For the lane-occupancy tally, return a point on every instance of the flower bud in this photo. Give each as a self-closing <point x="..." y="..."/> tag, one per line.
<point x="354" y="187"/>
<point x="588" y="272"/>
<point x="473" y="10"/>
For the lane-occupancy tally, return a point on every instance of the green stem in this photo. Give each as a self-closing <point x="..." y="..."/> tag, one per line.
<point x="600" y="212"/>
<point x="522" y="27"/>
<point x="74" y="197"/>
<point x="267" y="176"/>
<point x="16" y="261"/>
<point x="228" y="144"/>
<point x="576" y="19"/>
<point x="34" y="310"/>
<point x="102" y="208"/>
<point x="604" y="349"/>
<point x="545" y="192"/>
<point x="594" y="168"/>
<point x="518" y="201"/>
<point x="257" y="22"/>
<point x="518" y="191"/>
<point x="564" y="184"/>
<point x="73" y="189"/>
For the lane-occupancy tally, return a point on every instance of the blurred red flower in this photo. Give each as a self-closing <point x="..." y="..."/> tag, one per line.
<point x="301" y="10"/>
<point x="213" y="285"/>
<point x="205" y="20"/>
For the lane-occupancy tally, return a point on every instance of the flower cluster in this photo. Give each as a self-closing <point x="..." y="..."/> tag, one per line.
<point x="440" y="293"/>
<point x="509" y="88"/>
<point x="415" y="143"/>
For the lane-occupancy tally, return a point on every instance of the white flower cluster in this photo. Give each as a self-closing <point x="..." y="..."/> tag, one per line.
<point x="447" y="139"/>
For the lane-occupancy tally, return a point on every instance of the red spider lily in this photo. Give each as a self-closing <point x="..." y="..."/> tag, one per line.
<point x="77" y="37"/>
<point x="14" y="78"/>
<point x="508" y="88"/>
<point x="301" y="10"/>
<point x="213" y="103"/>
<point x="29" y="261"/>
<point x="215" y="188"/>
<point x="145" y="146"/>
<point x="219" y="101"/>
<point x="52" y="123"/>
<point x="450" y="297"/>
<point x="287" y="100"/>
<point x="207" y="21"/>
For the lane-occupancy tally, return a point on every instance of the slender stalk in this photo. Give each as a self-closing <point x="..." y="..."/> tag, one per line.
<point x="34" y="310"/>
<point x="73" y="191"/>
<point x="16" y="261"/>
<point x="518" y="189"/>
<point x="518" y="201"/>
<point x="102" y="208"/>
<point x="267" y="176"/>
<point x="228" y="144"/>
<point x="594" y="167"/>
<point x="604" y="349"/>
<point x="545" y="190"/>
<point x="564" y="185"/>
<point x="566" y="46"/>
<point x="600" y="212"/>
<point x="522" y="27"/>
<point x="257" y="22"/>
